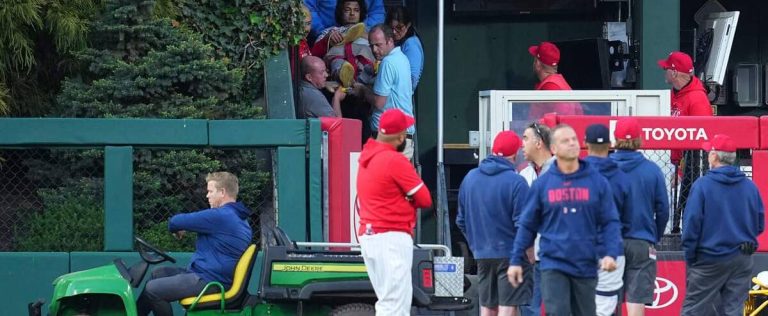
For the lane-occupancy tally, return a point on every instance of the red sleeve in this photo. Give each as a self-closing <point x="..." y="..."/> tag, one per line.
<point x="408" y="180"/>
<point x="320" y="48"/>
<point x="549" y="86"/>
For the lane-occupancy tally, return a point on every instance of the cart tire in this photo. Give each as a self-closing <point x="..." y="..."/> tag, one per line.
<point x="356" y="309"/>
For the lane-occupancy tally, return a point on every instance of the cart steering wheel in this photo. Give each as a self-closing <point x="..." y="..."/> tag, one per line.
<point x="146" y="255"/>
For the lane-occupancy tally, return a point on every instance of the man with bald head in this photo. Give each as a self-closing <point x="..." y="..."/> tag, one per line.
<point x="572" y="207"/>
<point x="313" y="102"/>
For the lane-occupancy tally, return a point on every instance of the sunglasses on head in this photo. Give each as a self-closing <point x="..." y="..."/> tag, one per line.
<point x="537" y="130"/>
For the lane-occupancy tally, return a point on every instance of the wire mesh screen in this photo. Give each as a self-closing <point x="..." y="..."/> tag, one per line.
<point x="52" y="199"/>
<point x="169" y="182"/>
<point x="681" y="169"/>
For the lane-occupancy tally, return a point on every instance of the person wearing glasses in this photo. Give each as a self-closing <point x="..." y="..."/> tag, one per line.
<point x="537" y="153"/>
<point x="546" y="57"/>
<point x="405" y="37"/>
<point x="572" y="207"/>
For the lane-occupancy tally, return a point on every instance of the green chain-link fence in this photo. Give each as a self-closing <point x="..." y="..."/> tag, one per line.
<point x="52" y="199"/>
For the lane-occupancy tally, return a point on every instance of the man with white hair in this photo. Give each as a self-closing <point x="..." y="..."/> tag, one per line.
<point x="722" y="220"/>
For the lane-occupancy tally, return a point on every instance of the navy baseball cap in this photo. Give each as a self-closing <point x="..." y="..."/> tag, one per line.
<point x="598" y="134"/>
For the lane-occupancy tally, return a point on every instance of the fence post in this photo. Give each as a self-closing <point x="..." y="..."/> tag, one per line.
<point x="118" y="198"/>
<point x="314" y="181"/>
<point x="279" y="87"/>
<point x="291" y="192"/>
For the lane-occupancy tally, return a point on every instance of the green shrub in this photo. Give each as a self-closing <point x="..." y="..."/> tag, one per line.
<point x="72" y="219"/>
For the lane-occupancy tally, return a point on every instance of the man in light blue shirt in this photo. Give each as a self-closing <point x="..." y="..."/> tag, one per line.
<point x="392" y="88"/>
<point x="324" y="14"/>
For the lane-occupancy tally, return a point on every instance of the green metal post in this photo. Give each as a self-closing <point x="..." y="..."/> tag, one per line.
<point x="315" y="181"/>
<point x="291" y="192"/>
<point x="279" y="88"/>
<point x="658" y="26"/>
<point x="118" y="198"/>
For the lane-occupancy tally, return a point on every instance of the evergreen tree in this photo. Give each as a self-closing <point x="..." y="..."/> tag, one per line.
<point x="144" y="67"/>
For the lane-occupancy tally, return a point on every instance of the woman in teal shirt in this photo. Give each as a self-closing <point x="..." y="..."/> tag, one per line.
<point x="405" y="37"/>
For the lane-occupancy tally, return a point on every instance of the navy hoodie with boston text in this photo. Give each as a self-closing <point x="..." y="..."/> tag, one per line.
<point x="645" y="216"/>
<point x="570" y="211"/>
<point x="491" y="197"/>
<point x="723" y="211"/>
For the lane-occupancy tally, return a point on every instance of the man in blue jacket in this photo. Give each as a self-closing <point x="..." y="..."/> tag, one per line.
<point x="643" y="219"/>
<point x="324" y="14"/>
<point x="223" y="234"/>
<point x="572" y="207"/>
<point x="598" y="141"/>
<point x="490" y="200"/>
<point x="722" y="219"/>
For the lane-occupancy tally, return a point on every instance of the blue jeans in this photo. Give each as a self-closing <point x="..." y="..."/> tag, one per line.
<point x="165" y="285"/>
<point x="534" y="309"/>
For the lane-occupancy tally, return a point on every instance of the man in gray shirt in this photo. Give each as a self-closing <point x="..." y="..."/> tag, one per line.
<point x="313" y="102"/>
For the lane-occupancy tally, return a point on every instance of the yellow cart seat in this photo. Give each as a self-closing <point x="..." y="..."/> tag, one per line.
<point x="234" y="296"/>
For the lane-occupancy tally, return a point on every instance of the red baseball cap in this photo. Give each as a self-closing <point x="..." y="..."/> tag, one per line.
<point x="720" y="142"/>
<point x="549" y="119"/>
<point x="677" y="61"/>
<point x="394" y="121"/>
<point x="627" y="128"/>
<point x="506" y="144"/>
<point x="547" y="52"/>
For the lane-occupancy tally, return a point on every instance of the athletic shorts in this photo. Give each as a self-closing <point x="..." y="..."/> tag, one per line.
<point x="494" y="287"/>
<point x="640" y="271"/>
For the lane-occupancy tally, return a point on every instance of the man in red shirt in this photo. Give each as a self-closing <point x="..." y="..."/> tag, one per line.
<point x="388" y="192"/>
<point x="688" y="95"/>
<point x="689" y="98"/>
<point x="546" y="57"/>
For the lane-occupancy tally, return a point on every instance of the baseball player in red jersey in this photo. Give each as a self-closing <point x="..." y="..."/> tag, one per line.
<point x="389" y="191"/>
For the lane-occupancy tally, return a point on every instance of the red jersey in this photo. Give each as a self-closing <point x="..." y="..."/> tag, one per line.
<point x="691" y="100"/>
<point x="385" y="179"/>
<point x="554" y="82"/>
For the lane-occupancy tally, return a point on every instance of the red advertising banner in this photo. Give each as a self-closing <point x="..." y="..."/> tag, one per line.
<point x="343" y="139"/>
<point x="679" y="132"/>
<point x="760" y="178"/>
<point x="764" y="132"/>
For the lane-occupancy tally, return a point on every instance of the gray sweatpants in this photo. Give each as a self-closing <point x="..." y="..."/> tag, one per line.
<point x="564" y="295"/>
<point x="726" y="282"/>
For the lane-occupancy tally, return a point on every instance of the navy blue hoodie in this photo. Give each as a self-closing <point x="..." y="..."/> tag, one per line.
<point x="570" y="211"/>
<point x="724" y="210"/>
<point x="223" y="234"/>
<point x="616" y="178"/>
<point x="646" y="215"/>
<point x="491" y="197"/>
